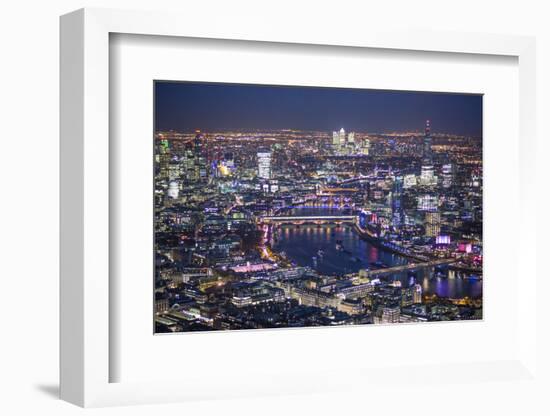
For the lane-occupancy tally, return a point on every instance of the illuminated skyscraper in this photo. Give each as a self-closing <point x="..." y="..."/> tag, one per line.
<point x="342" y="136"/>
<point x="188" y="163"/>
<point x="447" y="172"/>
<point x="433" y="224"/>
<point x="417" y="295"/>
<point x="397" y="201"/>
<point x="365" y="147"/>
<point x="164" y="157"/>
<point x="427" y="177"/>
<point x="351" y="138"/>
<point x="201" y="168"/>
<point x="335" y="139"/>
<point x="264" y="164"/>
<point x="411" y="294"/>
<point x="427" y="148"/>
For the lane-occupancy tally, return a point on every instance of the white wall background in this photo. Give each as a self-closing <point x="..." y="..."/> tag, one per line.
<point x="29" y="177"/>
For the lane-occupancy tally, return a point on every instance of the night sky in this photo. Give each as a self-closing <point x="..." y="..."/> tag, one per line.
<point x="186" y="106"/>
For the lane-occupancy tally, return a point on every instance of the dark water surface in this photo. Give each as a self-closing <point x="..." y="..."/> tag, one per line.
<point x="302" y="244"/>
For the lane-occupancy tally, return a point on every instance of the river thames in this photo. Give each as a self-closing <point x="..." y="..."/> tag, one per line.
<point x="337" y="250"/>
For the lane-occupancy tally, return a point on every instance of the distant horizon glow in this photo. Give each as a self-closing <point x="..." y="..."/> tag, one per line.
<point x="191" y="106"/>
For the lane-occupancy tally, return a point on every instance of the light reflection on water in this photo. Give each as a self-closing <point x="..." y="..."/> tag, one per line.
<point x="302" y="244"/>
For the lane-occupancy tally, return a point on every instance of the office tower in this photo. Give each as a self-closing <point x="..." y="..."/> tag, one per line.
<point x="447" y="172"/>
<point x="164" y="157"/>
<point x="365" y="147"/>
<point x="201" y="168"/>
<point x="427" y="176"/>
<point x="427" y="148"/>
<point x="411" y="294"/>
<point x="417" y="294"/>
<point x="427" y="202"/>
<point x="342" y="137"/>
<point x="397" y="201"/>
<point x="432" y="223"/>
<point x="409" y="181"/>
<point x="264" y="164"/>
<point x="339" y="143"/>
<point x="188" y="163"/>
<point x="335" y="139"/>
<point x="174" y="170"/>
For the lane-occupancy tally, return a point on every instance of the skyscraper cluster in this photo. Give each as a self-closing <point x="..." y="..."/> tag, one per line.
<point x="348" y="145"/>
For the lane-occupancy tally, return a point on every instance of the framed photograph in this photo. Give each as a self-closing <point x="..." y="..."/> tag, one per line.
<point x="293" y="212"/>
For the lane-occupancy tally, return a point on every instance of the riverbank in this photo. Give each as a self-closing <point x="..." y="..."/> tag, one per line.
<point x="375" y="241"/>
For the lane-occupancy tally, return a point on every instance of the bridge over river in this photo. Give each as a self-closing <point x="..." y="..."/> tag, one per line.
<point x="309" y="219"/>
<point x="410" y="266"/>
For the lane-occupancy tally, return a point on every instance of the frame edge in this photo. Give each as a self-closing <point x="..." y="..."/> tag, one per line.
<point x="71" y="201"/>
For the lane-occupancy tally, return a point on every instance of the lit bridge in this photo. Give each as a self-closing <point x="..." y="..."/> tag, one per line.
<point x="309" y="219"/>
<point x="408" y="267"/>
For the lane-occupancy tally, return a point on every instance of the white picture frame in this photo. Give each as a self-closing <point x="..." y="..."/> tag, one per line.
<point x="85" y="211"/>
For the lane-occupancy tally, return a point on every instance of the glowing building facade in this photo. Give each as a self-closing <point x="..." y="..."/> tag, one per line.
<point x="264" y="164"/>
<point x="433" y="224"/>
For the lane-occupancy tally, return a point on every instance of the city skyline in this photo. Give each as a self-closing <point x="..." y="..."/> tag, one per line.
<point x="188" y="106"/>
<point x="274" y="228"/>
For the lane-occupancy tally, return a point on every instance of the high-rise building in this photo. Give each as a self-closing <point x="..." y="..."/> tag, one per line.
<point x="164" y="157"/>
<point x="411" y="295"/>
<point x="174" y="170"/>
<point x="342" y="137"/>
<point x="264" y="164"/>
<point x="427" y="202"/>
<point x="351" y="138"/>
<point x="201" y="165"/>
<point x="417" y="294"/>
<point x="409" y="181"/>
<point x="427" y="148"/>
<point x="427" y="176"/>
<point x="447" y="173"/>
<point x="335" y="139"/>
<point x="432" y="223"/>
<point x="365" y="147"/>
<point x="397" y="201"/>
<point x="187" y="162"/>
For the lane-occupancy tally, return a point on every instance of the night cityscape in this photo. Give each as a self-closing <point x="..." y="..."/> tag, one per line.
<point x="281" y="207"/>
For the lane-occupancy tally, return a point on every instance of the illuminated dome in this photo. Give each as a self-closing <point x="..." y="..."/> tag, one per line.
<point x="173" y="190"/>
